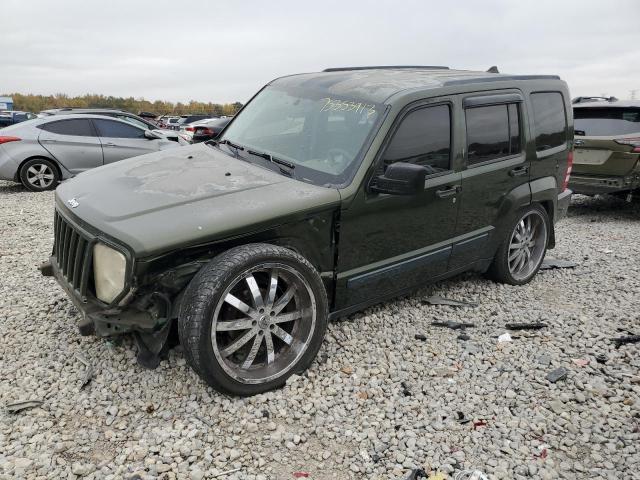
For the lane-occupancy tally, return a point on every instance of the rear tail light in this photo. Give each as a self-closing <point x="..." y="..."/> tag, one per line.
<point x="6" y="139"/>
<point x="190" y="129"/>
<point x="633" y="142"/>
<point x="205" y="131"/>
<point x="567" y="174"/>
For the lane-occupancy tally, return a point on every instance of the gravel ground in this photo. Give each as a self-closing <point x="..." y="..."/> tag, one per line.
<point x="378" y="401"/>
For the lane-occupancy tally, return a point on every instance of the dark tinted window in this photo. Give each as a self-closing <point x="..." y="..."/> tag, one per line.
<point x="424" y="138"/>
<point x="549" y="118"/>
<point x="514" y="128"/>
<point x="492" y="132"/>
<point x="78" y="127"/>
<point x="111" y="129"/>
<point x="606" y="121"/>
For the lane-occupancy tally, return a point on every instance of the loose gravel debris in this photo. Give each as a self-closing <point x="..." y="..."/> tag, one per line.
<point x="350" y="416"/>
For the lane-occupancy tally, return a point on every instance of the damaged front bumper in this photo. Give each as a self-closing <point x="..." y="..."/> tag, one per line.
<point x="144" y="313"/>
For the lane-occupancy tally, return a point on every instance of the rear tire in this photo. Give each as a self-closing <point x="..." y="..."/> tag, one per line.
<point x="39" y="174"/>
<point x="252" y="317"/>
<point x="523" y="247"/>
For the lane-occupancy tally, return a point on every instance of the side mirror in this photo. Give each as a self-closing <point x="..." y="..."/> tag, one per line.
<point x="401" y="178"/>
<point x="151" y="135"/>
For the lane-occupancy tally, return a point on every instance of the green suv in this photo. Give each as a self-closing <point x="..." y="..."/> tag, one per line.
<point x="607" y="155"/>
<point x="327" y="193"/>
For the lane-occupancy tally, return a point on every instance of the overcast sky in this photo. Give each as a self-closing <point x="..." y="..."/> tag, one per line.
<point x="223" y="51"/>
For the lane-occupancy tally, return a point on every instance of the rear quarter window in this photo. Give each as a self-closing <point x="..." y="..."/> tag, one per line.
<point x="74" y="127"/>
<point x="550" y="120"/>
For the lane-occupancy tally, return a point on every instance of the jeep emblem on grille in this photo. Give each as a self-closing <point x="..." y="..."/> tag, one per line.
<point x="73" y="203"/>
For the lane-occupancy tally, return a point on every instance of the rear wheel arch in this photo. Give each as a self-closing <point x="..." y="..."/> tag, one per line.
<point x="38" y="157"/>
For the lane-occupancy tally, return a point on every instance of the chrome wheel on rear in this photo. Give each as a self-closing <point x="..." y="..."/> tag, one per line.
<point x="263" y="323"/>
<point x="40" y="176"/>
<point x="527" y="245"/>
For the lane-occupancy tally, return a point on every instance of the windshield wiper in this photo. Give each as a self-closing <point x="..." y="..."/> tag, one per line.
<point x="272" y="159"/>
<point x="224" y="142"/>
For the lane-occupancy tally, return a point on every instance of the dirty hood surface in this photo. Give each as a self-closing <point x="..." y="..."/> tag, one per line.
<point x="186" y="196"/>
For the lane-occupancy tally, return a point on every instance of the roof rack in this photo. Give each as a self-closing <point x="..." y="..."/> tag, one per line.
<point x="593" y="99"/>
<point x="387" y="67"/>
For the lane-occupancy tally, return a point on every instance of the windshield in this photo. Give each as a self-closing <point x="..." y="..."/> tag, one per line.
<point x="135" y="121"/>
<point x="605" y="122"/>
<point x="323" y="137"/>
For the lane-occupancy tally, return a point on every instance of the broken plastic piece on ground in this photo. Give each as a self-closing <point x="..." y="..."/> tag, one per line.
<point x="505" y="337"/>
<point x="420" y="336"/>
<point x="301" y="474"/>
<point x="479" y="423"/>
<point x="437" y="300"/>
<point x="557" y="374"/>
<point x="88" y="373"/>
<point x="581" y="362"/>
<point x="554" y="263"/>
<point x="625" y="340"/>
<point x="525" y="326"/>
<point x="18" y="406"/>
<point x="416" y="473"/>
<point x="453" y="325"/>
<point x="405" y="389"/>
<point x="462" y="419"/>
<point x="226" y="473"/>
<point x="471" y="475"/>
<point x="601" y="358"/>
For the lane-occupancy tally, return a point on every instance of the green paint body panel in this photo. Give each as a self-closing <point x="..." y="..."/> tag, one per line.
<point x="173" y="208"/>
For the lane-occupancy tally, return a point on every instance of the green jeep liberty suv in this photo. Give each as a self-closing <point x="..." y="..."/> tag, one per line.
<point x="327" y="193"/>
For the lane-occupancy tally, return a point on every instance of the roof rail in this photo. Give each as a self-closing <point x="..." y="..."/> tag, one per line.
<point x="387" y="67"/>
<point x="593" y="99"/>
<point x="66" y="109"/>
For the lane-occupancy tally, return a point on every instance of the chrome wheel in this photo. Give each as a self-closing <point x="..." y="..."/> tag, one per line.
<point x="527" y="245"/>
<point x="263" y="323"/>
<point x="40" y="175"/>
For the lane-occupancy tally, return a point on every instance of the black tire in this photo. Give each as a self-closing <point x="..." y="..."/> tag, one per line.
<point x="499" y="269"/>
<point x="203" y="301"/>
<point x="49" y="179"/>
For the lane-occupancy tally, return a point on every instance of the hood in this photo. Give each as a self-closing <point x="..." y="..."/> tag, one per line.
<point x="186" y="196"/>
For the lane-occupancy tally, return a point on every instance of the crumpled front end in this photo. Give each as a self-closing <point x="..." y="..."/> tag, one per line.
<point x="72" y="265"/>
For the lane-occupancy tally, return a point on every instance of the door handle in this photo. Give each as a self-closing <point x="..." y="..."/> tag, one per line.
<point x="449" y="191"/>
<point x="519" y="171"/>
<point x="49" y="141"/>
<point x="578" y="142"/>
<point x="109" y="144"/>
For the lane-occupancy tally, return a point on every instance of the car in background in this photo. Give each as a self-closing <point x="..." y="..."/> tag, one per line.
<point x="186" y="119"/>
<point x="40" y="153"/>
<point x="201" y="131"/>
<point x="167" y="122"/>
<point x="607" y="146"/>
<point x="10" y="117"/>
<point x="116" y="113"/>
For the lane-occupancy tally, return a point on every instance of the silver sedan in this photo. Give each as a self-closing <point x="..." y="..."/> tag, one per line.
<point x="40" y="153"/>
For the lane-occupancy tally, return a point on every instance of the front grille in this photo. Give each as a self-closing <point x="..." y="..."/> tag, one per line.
<point x="72" y="254"/>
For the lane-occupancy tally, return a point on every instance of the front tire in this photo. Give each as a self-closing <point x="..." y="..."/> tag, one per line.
<point x="523" y="248"/>
<point x="39" y="174"/>
<point x="252" y="317"/>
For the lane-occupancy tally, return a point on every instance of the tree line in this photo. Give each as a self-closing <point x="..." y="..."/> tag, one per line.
<point x="37" y="103"/>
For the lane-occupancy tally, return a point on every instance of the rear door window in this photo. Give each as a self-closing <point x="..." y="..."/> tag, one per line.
<point x="605" y="122"/>
<point x="112" y="129"/>
<point x="493" y="132"/>
<point x="77" y="127"/>
<point x="550" y="120"/>
<point x="423" y="138"/>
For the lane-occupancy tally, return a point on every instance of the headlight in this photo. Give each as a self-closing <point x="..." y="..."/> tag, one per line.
<point x="109" y="267"/>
